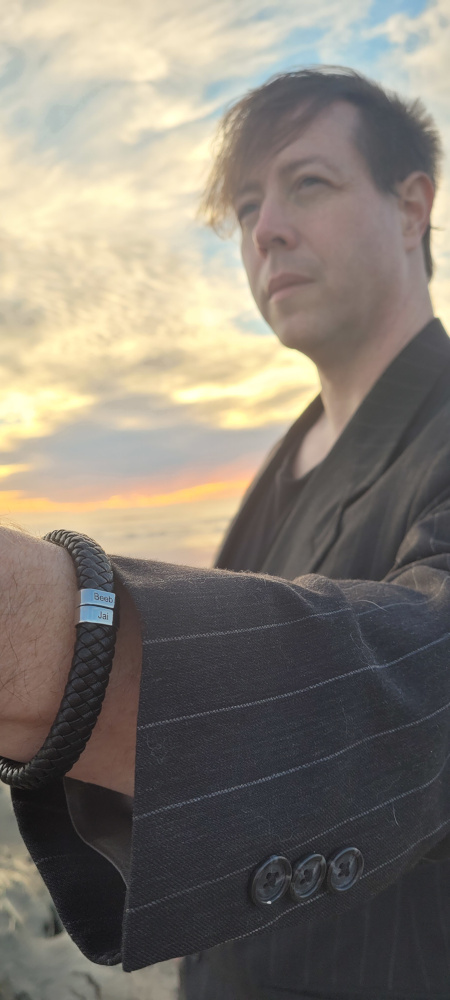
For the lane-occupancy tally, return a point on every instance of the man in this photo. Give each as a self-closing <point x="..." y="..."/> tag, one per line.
<point x="292" y="738"/>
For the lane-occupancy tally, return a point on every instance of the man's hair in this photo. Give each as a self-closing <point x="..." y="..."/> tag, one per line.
<point x="395" y="136"/>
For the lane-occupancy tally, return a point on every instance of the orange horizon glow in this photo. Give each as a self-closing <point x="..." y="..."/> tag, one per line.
<point x="13" y="501"/>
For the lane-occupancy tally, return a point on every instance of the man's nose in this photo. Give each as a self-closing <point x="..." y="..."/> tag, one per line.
<point x="274" y="227"/>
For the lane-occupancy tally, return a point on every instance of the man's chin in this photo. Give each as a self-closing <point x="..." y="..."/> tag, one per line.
<point x="302" y="337"/>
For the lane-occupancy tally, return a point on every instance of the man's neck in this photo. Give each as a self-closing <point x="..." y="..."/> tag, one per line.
<point x="347" y="379"/>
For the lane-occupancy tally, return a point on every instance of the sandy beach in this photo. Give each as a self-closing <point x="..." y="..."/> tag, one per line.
<point x="38" y="961"/>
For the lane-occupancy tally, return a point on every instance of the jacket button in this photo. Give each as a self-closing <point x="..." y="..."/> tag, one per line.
<point x="271" y="880"/>
<point x="344" y="868"/>
<point x="307" y="876"/>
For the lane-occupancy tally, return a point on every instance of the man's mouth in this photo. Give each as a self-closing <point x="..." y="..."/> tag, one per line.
<point x="283" y="284"/>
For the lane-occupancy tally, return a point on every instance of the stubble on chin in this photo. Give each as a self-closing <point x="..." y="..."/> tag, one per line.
<point x="319" y="341"/>
<point x="297" y="331"/>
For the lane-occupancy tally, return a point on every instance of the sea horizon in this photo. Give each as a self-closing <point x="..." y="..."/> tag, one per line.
<point x="189" y="534"/>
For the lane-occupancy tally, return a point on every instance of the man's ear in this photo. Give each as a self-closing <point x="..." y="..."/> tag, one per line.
<point x="415" y="201"/>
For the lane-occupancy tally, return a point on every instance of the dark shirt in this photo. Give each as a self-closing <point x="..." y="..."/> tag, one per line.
<point x="279" y="500"/>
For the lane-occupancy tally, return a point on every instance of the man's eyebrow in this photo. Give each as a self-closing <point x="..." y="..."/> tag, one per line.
<point x="305" y="161"/>
<point x="254" y="186"/>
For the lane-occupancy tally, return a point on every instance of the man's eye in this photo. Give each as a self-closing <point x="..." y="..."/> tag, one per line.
<point x="247" y="209"/>
<point x="309" y="182"/>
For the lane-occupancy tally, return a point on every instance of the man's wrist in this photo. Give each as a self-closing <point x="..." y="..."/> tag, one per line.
<point x="37" y="640"/>
<point x="37" y="635"/>
<point x="109" y="757"/>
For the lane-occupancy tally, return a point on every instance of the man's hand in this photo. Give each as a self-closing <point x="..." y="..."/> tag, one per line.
<point x="37" y="638"/>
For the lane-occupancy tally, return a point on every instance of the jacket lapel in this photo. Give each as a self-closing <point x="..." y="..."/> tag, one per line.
<point x="361" y="454"/>
<point x="366" y="447"/>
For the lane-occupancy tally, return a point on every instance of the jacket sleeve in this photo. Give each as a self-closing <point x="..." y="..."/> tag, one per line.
<point x="275" y="717"/>
<point x="282" y="718"/>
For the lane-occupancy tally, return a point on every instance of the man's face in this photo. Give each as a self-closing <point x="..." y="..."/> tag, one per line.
<point x="321" y="245"/>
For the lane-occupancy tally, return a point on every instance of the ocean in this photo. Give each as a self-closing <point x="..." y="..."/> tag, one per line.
<point x="188" y="533"/>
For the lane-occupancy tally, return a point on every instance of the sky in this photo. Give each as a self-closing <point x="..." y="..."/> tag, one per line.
<point x="140" y="388"/>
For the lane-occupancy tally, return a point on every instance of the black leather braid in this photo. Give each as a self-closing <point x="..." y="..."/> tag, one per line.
<point x="88" y="677"/>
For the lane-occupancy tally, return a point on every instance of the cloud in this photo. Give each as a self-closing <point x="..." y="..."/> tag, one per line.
<point x="108" y="309"/>
<point x="143" y="40"/>
<point x="11" y="470"/>
<point x="418" y="51"/>
<point x="132" y="336"/>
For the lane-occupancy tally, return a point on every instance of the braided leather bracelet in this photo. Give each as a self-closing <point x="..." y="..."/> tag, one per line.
<point x="96" y="624"/>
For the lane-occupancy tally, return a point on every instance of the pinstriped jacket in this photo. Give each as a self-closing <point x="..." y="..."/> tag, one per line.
<point x="303" y="707"/>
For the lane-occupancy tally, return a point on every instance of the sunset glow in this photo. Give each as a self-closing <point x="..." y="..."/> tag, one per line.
<point x="13" y="502"/>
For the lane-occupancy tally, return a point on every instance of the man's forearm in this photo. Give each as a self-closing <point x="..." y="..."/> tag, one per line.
<point x="37" y="638"/>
